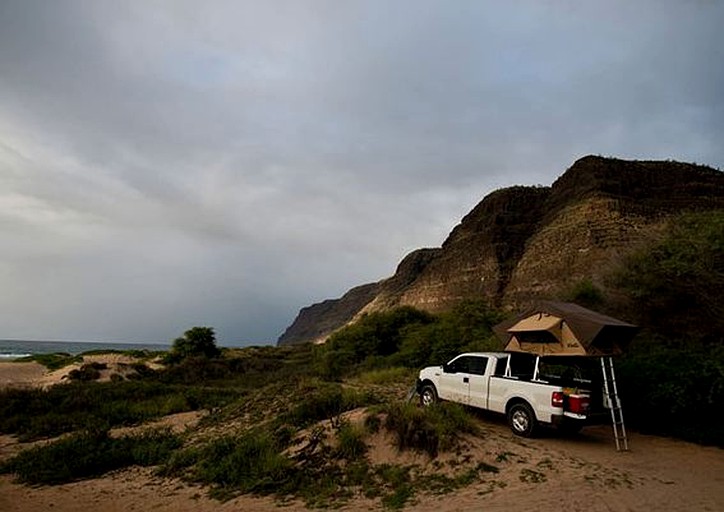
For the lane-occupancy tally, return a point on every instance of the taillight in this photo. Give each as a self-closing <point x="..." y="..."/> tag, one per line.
<point x="557" y="399"/>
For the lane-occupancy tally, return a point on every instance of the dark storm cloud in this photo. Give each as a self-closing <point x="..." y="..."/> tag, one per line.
<point x="168" y="164"/>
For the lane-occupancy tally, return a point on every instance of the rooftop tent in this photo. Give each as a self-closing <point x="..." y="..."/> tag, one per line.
<point x="565" y="329"/>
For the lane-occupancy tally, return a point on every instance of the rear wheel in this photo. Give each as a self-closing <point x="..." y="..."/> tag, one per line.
<point x="428" y="395"/>
<point x="521" y="419"/>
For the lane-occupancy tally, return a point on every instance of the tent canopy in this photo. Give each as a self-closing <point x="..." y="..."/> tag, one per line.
<point x="565" y="329"/>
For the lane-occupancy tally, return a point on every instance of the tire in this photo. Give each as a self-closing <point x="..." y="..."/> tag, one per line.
<point x="428" y="395"/>
<point x="521" y="420"/>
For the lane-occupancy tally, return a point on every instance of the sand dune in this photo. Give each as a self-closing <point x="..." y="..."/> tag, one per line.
<point x="32" y="374"/>
<point x="583" y="473"/>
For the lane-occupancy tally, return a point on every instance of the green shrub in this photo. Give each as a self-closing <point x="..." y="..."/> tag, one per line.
<point x="387" y="376"/>
<point x="428" y="429"/>
<point x="586" y="294"/>
<point x="181" y="461"/>
<point x="89" y="454"/>
<point x="35" y="413"/>
<point x="350" y="439"/>
<point x="399" y="484"/>
<point x="53" y="361"/>
<point x="251" y="462"/>
<point x="329" y="401"/>
<point x="87" y="372"/>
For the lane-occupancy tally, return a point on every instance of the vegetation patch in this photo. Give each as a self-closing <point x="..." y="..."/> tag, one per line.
<point x="329" y="401"/>
<point x="387" y="376"/>
<point x="37" y="413"/>
<point x="52" y="361"/>
<point x="88" y="372"/>
<point x="89" y="454"/>
<point x="406" y="337"/>
<point x="430" y="429"/>
<point x="672" y="377"/>
<point x="327" y="465"/>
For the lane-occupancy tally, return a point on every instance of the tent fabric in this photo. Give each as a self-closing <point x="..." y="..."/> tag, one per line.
<point x="540" y="322"/>
<point x="563" y="328"/>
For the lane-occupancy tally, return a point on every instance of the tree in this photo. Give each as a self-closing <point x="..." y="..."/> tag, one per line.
<point x="197" y="341"/>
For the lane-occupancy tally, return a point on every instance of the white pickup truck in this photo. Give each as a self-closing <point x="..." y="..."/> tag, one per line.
<point x="514" y="384"/>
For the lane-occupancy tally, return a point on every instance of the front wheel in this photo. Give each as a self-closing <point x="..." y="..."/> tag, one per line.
<point x="522" y="420"/>
<point x="428" y="395"/>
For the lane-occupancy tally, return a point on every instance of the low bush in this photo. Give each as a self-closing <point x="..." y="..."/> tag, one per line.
<point x="251" y="462"/>
<point x="327" y="401"/>
<point x="585" y="293"/>
<point x="398" y="482"/>
<point x="387" y="376"/>
<point x="53" y="361"/>
<point x="428" y="429"/>
<point x="89" y="454"/>
<point x="87" y="372"/>
<point x="350" y="441"/>
<point x="36" y="413"/>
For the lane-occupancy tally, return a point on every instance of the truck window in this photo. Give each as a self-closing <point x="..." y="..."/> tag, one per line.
<point x="500" y="366"/>
<point x="460" y="365"/>
<point x="478" y="365"/>
<point x="522" y="365"/>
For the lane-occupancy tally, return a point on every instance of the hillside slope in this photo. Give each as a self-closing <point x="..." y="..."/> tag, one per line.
<point x="520" y="244"/>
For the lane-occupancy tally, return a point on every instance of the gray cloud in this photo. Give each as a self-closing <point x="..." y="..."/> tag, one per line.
<point x="168" y="164"/>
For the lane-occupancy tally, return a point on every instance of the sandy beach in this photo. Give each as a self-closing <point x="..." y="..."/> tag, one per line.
<point x="579" y="473"/>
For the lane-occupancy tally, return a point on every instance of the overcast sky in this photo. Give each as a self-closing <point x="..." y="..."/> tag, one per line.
<point x="166" y="164"/>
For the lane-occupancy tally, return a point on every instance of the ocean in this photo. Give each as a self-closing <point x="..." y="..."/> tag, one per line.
<point x="13" y="349"/>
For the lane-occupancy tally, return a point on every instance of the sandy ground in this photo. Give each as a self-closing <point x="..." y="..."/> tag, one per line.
<point x="575" y="473"/>
<point x="14" y="374"/>
<point x="21" y="374"/>
<point x="582" y="473"/>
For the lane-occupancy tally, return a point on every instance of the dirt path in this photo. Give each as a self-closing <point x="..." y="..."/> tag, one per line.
<point x="585" y="473"/>
<point x="579" y="473"/>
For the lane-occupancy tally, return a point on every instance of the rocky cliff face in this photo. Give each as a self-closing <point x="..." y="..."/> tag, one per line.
<point x="524" y="243"/>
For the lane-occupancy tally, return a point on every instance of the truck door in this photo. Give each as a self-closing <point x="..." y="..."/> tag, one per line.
<point x="478" y="382"/>
<point x="455" y="381"/>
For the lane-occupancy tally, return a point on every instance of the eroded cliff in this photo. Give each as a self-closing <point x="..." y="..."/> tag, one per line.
<point x="524" y="243"/>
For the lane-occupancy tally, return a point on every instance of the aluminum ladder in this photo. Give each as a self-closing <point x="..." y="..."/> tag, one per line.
<point x="614" y="403"/>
